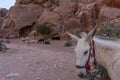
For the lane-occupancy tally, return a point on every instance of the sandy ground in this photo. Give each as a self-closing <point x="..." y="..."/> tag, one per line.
<point x="38" y="62"/>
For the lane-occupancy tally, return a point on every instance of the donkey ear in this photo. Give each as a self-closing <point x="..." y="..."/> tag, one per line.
<point x="91" y="34"/>
<point x="83" y="34"/>
<point x="73" y="36"/>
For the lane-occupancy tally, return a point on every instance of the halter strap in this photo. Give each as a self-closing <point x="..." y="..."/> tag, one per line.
<point x="92" y="53"/>
<point x="93" y="50"/>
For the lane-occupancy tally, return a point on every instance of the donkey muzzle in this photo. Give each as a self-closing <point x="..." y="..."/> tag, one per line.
<point x="79" y="67"/>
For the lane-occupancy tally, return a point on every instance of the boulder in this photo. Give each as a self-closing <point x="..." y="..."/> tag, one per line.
<point x="109" y="3"/>
<point x="116" y="21"/>
<point x="7" y="21"/>
<point x="86" y="21"/>
<point x="3" y="13"/>
<point x="108" y="13"/>
<point x="48" y="5"/>
<point x="93" y="9"/>
<point x="25" y="15"/>
<point x="66" y="8"/>
<point x="71" y="23"/>
<point x="115" y="3"/>
<point x="8" y="33"/>
<point x="49" y="18"/>
<point x="88" y="14"/>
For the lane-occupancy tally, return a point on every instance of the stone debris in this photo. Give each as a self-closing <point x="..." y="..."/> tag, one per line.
<point x="37" y="78"/>
<point x="12" y="74"/>
<point x="28" y="40"/>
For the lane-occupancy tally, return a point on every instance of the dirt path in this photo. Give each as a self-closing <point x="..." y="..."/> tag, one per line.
<point x="38" y="62"/>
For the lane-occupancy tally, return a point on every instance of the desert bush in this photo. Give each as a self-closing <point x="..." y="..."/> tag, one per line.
<point x="3" y="46"/>
<point x="43" y="29"/>
<point x="46" y="42"/>
<point x="68" y="43"/>
<point x="110" y="30"/>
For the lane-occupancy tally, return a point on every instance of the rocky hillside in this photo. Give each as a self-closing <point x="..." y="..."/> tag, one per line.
<point x="60" y="15"/>
<point x="3" y="13"/>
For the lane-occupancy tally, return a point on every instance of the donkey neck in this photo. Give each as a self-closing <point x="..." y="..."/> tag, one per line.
<point x="106" y="51"/>
<point x="108" y="55"/>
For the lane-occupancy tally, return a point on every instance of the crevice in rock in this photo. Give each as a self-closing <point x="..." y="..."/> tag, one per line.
<point x="24" y="32"/>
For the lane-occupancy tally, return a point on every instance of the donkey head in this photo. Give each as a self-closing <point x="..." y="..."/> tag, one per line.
<point x="82" y="49"/>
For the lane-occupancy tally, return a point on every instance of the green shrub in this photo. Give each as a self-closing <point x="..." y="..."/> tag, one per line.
<point x="67" y="44"/>
<point x="109" y="30"/>
<point x="3" y="46"/>
<point x="43" y="29"/>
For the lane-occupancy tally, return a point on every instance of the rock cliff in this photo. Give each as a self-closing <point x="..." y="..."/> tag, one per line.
<point x="60" y="15"/>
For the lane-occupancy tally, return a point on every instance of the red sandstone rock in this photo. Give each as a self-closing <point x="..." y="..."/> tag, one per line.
<point x="62" y="15"/>
<point x="108" y="13"/>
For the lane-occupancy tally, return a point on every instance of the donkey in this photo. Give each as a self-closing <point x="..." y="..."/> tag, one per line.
<point x="90" y="49"/>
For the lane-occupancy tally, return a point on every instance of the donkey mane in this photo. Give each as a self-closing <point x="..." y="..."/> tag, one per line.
<point x="108" y="55"/>
<point x="107" y="43"/>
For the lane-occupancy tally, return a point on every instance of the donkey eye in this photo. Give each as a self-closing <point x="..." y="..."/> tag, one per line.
<point x="85" y="52"/>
